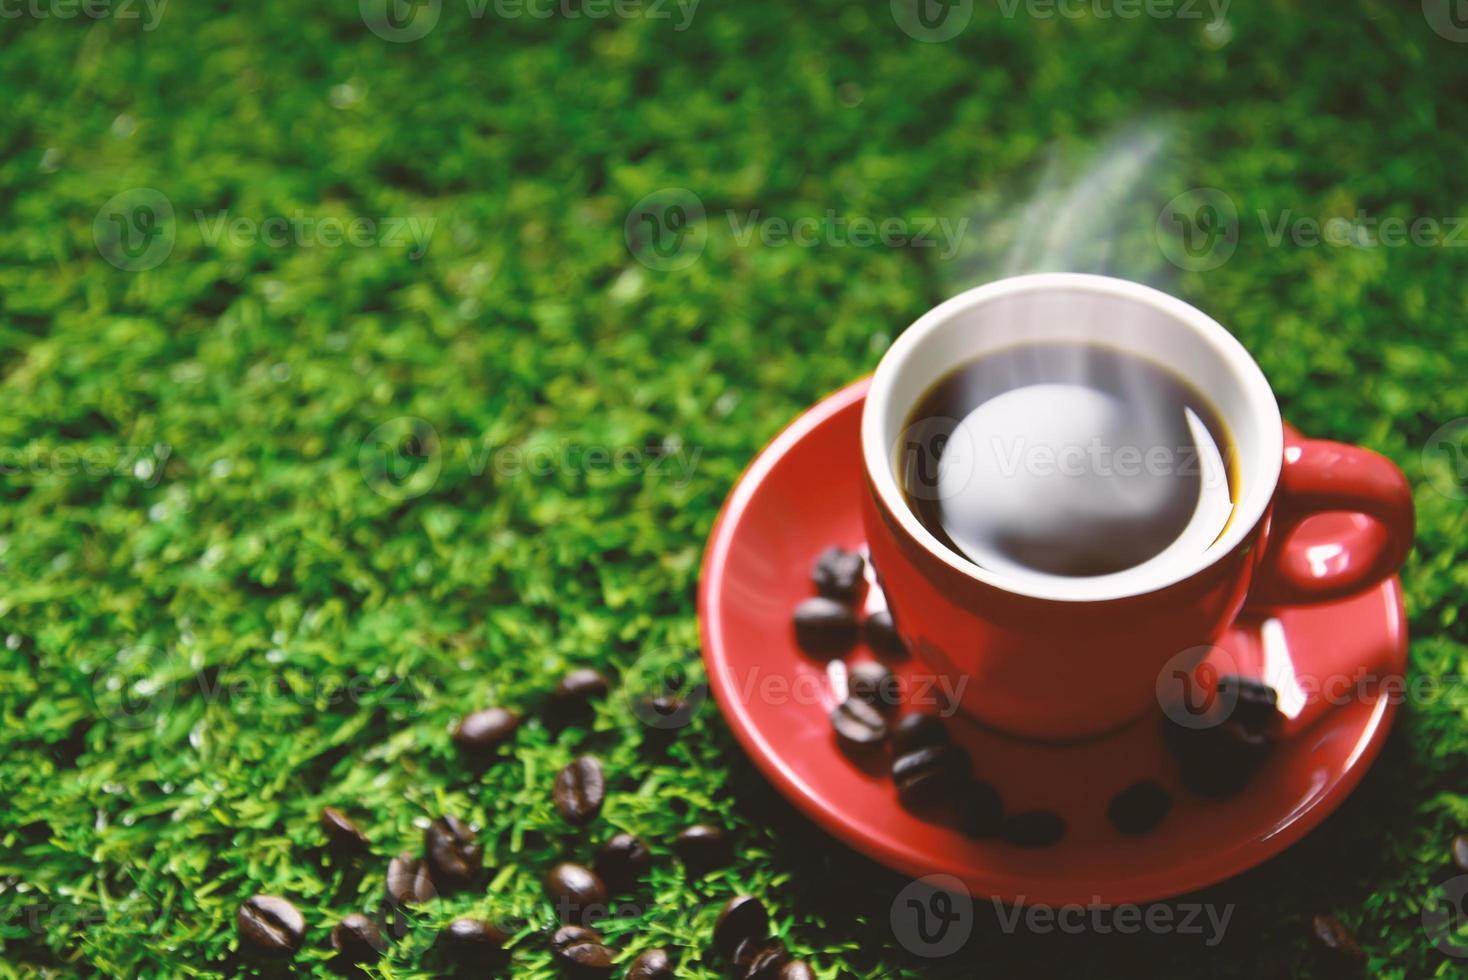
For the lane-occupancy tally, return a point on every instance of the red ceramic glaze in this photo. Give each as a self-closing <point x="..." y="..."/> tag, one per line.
<point x="1329" y="660"/>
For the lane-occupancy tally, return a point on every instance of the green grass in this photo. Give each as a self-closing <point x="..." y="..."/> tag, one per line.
<point x="189" y="514"/>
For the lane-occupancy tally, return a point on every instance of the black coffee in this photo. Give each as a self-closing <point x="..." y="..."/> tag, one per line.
<point x="1069" y="459"/>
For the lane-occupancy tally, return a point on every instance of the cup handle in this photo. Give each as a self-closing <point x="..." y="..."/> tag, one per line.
<point x="1319" y="477"/>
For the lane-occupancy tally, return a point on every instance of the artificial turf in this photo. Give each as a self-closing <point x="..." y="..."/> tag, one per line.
<point x="225" y="605"/>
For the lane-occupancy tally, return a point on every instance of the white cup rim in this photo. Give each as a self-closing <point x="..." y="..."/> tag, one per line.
<point x="1261" y="470"/>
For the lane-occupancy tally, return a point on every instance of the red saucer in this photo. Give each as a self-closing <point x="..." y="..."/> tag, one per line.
<point x="801" y="494"/>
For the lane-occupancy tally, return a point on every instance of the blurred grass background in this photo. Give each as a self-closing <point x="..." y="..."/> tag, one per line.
<point x="224" y="607"/>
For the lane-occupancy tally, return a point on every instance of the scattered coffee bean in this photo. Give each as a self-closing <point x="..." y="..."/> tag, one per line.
<point x="917" y="731"/>
<point x="579" y="894"/>
<point x="742" y="917"/>
<point x="980" y="810"/>
<point x="480" y="735"/>
<point x="454" y="854"/>
<point x="875" y="684"/>
<point x="579" y="790"/>
<point x="1139" y="808"/>
<point x="858" y="723"/>
<point x="474" y="942"/>
<point x="581" y="952"/>
<point x="357" y="940"/>
<point x="570" y="935"/>
<point x="1332" y="934"/>
<point x="655" y="964"/>
<point x="342" y="835"/>
<point x="622" y="860"/>
<point x="270" y="926"/>
<point x="1036" y="828"/>
<point x="409" y="881"/>
<point x="760" y="959"/>
<point x="923" y="776"/>
<point x="1219" y="761"/>
<point x="574" y="693"/>
<point x="703" y="848"/>
<point x="1255" y="704"/>
<point x="797" y="970"/>
<point x="837" y="573"/>
<point x="824" y="626"/>
<point x="881" y="635"/>
<point x="1460" y="851"/>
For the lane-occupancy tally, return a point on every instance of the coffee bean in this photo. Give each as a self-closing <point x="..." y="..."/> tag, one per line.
<point x="655" y="964"/>
<point x="357" y="940"/>
<point x="703" y="848"/>
<point x="474" y="942"/>
<point x="570" y="935"/>
<point x="270" y="925"/>
<point x="1332" y="934"/>
<point x="1255" y="704"/>
<point x="837" y="573"/>
<point x="579" y="894"/>
<point x="824" y="626"/>
<point x="881" y="635"/>
<point x="916" y="731"/>
<point x="980" y="810"/>
<point x="480" y="735"/>
<point x="926" y="775"/>
<point x="581" y="952"/>
<point x="409" y="881"/>
<point x="579" y="790"/>
<point x="1219" y="761"/>
<point x="342" y="835"/>
<point x="760" y="959"/>
<point x="453" y="852"/>
<point x="1139" y="807"/>
<point x="742" y="917"/>
<point x="574" y="693"/>
<point x="858" y="724"/>
<point x="1460" y="851"/>
<point x="1036" y="828"/>
<point x="875" y="684"/>
<point x="622" y="860"/>
<point x="797" y="970"/>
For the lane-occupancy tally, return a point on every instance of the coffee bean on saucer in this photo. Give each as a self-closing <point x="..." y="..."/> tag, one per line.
<point x="474" y="942"/>
<point x="980" y="810"/>
<point x="1333" y="935"/>
<point x="342" y="835"/>
<point x="858" y="724"/>
<point x="409" y="881"/>
<point x="873" y="683"/>
<point x="1460" y="851"/>
<point x="742" y="917"/>
<point x="579" y="894"/>
<point x="881" y="635"/>
<point x="1035" y="828"/>
<point x="916" y="731"/>
<point x="574" y="693"/>
<point x="581" y="952"/>
<point x="702" y="848"/>
<point x="655" y="964"/>
<point x="925" y="775"/>
<point x="837" y="573"/>
<point x="797" y="970"/>
<point x="454" y="854"/>
<point x="1255" y="704"/>
<point x="579" y="790"/>
<point x="1217" y="762"/>
<point x="824" y="626"/>
<point x="356" y="939"/>
<point x="480" y="734"/>
<point x="622" y="860"/>
<point x="760" y="959"/>
<point x="1139" y="808"/>
<point x="270" y="926"/>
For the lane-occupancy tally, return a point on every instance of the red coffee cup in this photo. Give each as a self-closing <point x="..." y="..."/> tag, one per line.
<point x="1054" y="656"/>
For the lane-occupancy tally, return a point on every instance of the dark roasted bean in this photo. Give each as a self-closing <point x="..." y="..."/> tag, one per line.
<point x="579" y="790"/>
<point x="454" y="854"/>
<point x="875" y="684"/>
<point x="980" y="810"/>
<point x="1139" y="808"/>
<point x="1333" y="935"/>
<point x="760" y="959"/>
<point x="797" y="970"/>
<point x="480" y="735"/>
<point x="1255" y="704"/>
<point x="924" y="776"/>
<point x="409" y="881"/>
<point x="570" y="935"/>
<point x="837" y="573"/>
<point x="916" y="731"/>
<point x="655" y="964"/>
<point x="581" y="952"/>
<point x="1219" y="761"/>
<point x="881" y="635"/>
<point x="342" y="835"/>
<point x="858" y="723"/>
<point x="1036" y="828"/>
<point x="270" y="925"/>
<point x="742" y="917"/>
<point x="824" y="626"/>
<point x="356" y="939"/>
<point x="574" y="693"/>
<point x="703" y="848"/>
<point x="474" y="942"/>
<point x="578" y="893"/>
<point x="1460" y="851"/>
<point x="622" y="860"/>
